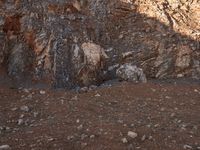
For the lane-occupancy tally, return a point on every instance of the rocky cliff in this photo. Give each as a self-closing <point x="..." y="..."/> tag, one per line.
<point x="82" y="42"/>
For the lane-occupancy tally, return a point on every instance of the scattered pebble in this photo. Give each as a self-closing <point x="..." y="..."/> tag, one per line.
<point x="167" y="97"/>
<point x="80" y="127"/>
<point x="124" y="140"/>
<point x="187" y="147"/>
<point x="4" y="147"/>
<point x="14" y="109"/>
<point x="84" y="89"/>
<point x="42" y="92"/>
<point x="70" y="137"/>
<point x="84" y="144"/>
<point x="26" y="90"/>
<point x="35" y="114"/>
<point x="172" y="115"/>
<point x="180" y="75"/>
<point x="143" y="137"/>
<point x="92" y="87"/>
<point x="132" y="134"/>
<point x="92" y="136"/>
<point x="74" y="98"/>
<point x="97" y="95"/>
<point x="150" y="137"/>
<point x="162" y="109"/>
<point x="83" y="136"/>
<point x="20" y="122"/>
<point x="24" y="108"/>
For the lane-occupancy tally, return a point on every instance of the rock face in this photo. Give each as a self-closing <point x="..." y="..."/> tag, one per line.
<point x="73" y="42"/>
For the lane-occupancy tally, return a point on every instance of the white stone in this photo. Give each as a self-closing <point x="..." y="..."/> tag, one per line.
<point x="4" y="147"/>
<point x="132" y="134"/>
<point x="42" y="92"/>
<point x="124" y="140"/>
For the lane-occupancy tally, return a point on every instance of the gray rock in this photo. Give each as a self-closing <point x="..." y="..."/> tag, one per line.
<point x="130" y="72"/>
<point x="24" y="108"/>
<point x="20" y="122"/>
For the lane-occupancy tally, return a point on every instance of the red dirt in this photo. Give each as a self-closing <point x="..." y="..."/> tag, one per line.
<point x="167" y="114"/>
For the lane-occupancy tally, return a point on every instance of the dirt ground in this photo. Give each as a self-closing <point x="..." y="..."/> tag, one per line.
<point x="164" y="115"/>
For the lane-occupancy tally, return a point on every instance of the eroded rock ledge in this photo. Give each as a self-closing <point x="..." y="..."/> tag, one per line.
<point x="69" y="43"/>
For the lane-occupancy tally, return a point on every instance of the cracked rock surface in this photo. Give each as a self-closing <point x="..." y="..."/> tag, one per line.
<point x="70" y="43"/>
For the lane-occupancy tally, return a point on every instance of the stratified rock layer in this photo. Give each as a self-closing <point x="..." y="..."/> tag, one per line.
<point x="69" y="43"/>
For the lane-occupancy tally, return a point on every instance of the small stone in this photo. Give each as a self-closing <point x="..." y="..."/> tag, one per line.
<point x="148" y="126"/>
<point x="14" y="109"/>
<point x="124" y="140"/>
<point x="132" y="134"/>
<point x="74" y="98"/>
<point x="26" y="90"/>
<point x="4" y="147"/>
<point x="80" y="127"/>
<point x="167" y="97"/>
<point x="35" y="114"/>
<point x="83" y="136"/>
<point x="84" y="89"/>
<point x="150" y="137"/>
<point x="92" y="136"/>
<point x="42" y="92"/>
<point x="180" y="75"/>
<point x="172" y="115"/>
<point x="30" y="96"/>
<point x="97" y="95"/>
<point x="187" y="147"/>
<point x="21" y="116"/>
<point x="20" y="122"/>
<point x="84" y="144"/>
<point x="92" y="87"/>
<point x="143" y="137"/>
<point x="70" y="137"/>
<point x="24" y="108"/>
<point x="162" y="109"/>
<point x="130" y="147"/>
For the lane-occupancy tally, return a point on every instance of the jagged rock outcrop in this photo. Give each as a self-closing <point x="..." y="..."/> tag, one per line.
<point x="52" y="40"/>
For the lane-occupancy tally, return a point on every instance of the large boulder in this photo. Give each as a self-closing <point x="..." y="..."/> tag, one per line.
<point x="94" y="62"/>
<point x="130" y="72"/>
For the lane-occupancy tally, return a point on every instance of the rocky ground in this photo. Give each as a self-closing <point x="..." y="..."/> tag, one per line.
<point x="158" y="115"/>
<point x="106" y="51"/>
